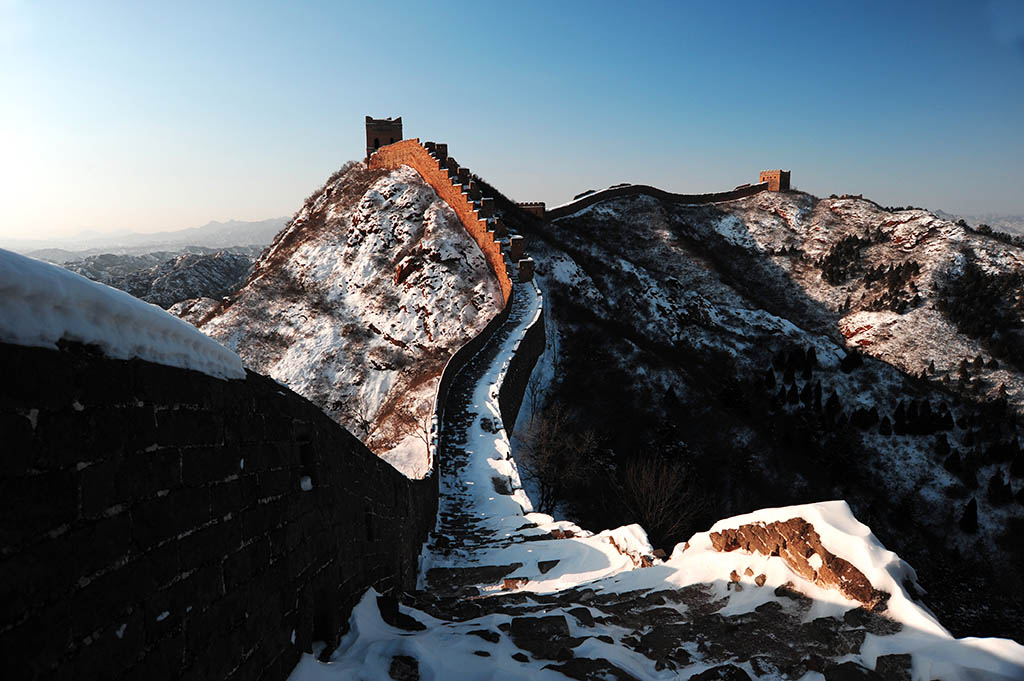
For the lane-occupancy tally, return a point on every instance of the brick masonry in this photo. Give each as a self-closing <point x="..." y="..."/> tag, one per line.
<point x="456" y="188"/>
<point x="155" y="523"/>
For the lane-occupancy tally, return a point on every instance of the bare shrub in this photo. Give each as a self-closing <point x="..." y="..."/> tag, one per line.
<point x="661" y="495"/>
<point x="559" y="460"/>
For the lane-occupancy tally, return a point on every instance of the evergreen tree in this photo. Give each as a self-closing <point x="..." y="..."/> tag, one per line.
<point x="832" y="405"/>
<point x="969" y="519"/>
<point x="885" y="427"/>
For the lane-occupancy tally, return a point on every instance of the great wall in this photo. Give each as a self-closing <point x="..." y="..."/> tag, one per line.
<point x="216" y="560"/>
<point x="217" y="528"/>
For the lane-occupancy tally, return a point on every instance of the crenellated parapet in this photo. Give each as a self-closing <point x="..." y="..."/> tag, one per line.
<point x="454" y="183"/>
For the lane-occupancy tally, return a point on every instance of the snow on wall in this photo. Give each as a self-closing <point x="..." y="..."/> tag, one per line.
<point x="41" y="304"/>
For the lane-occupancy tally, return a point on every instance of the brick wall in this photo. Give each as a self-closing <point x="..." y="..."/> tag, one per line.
<point x="154" y="522"/>
<point x="513" y="386"/>
<point x="457" y="191"/>
<point x="637" y="189"/>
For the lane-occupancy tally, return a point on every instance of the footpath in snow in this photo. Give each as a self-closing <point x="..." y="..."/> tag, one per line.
<point x="505" y="593"/>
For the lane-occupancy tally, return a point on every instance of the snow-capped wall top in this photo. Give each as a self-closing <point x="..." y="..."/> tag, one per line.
<point x="41" y="304"/>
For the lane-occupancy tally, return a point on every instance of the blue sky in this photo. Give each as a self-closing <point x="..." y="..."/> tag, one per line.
<point x="145" y="116"/>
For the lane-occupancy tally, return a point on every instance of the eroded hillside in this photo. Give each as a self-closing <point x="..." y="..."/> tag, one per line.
<point x="358" y="304"/>
<point x="705" y="355"/>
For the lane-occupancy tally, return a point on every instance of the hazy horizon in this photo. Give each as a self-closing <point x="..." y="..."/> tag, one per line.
<point x="124" y="118"/>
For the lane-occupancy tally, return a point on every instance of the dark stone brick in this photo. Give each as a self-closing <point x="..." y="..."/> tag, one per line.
<point x="162" y="518"/>
<point x="59" y="441"/>
<point x="18" y="448"/>
<point x="188" y="427"/>
<point x="98" y="487"/>
<point x="185" y="504"/>
<point x="240" y="566"/>
<point x="210" y="544"/>
<point x="276" y="483"/>
<point x="202" y="465"/>
<point x="260" y="519"/>
<point x="34" y="505"/>
<point x="140" y="475"/>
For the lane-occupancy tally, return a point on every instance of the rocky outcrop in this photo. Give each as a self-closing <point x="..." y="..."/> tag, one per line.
<point x="797" y="543"/>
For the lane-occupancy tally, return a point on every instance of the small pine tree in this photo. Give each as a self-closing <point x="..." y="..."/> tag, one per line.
<point x="885" y="427"/>
<point x="969" y="519"/>
<point x="832" y="405"/>
<point x="999" y="492"/>
<point x="769" y="379"/>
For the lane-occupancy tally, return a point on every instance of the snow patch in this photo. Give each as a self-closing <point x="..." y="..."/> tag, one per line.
<point x="41" y="304"/>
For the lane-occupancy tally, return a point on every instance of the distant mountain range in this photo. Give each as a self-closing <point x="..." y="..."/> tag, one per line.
<point x="216" y="235"/>
<point x="1012" y="224"/>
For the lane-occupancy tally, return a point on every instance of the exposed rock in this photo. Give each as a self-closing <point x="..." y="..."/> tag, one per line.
<point x="490" y="636"/>
<point x="894" y="667"/>
<point x="760" y="580"/>
<point x="873" y="623"/>
<point x="598" y="669"/>
<point x="543" y="637"/>
<point x="404" y="668"/>
<point x="545" y="565"/>
<point x="796" y="542"/>
<point x="850" y="671"/>
<point x="390" y="613"/>
<point x="583" y="616"/>
<point x="726" y="672"/>
<point x="513" y="583"/>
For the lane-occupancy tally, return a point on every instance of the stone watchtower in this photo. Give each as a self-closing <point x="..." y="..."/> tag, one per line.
<point x="381" y="132"/>
<point x="778" y="180"/>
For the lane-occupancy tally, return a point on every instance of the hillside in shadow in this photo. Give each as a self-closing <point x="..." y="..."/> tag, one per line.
<point x="697" y="374"/>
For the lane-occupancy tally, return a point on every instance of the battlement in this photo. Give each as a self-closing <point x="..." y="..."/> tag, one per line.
<point x="455" y="185"/>
<point x="381" y="132"/>
<point x="533" y="207"/>
<point x="778" y="180"/>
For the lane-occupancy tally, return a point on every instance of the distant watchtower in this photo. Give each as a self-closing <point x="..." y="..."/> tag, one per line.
<point x="778" y="180"/>
<point x="381" y="132"/>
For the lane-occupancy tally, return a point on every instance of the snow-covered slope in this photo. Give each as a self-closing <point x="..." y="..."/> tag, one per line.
<point x="42" y="304"/>
<point x="178" y="278"/>
<point x="358" y="304"/>
<point x="715" y="338"/>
